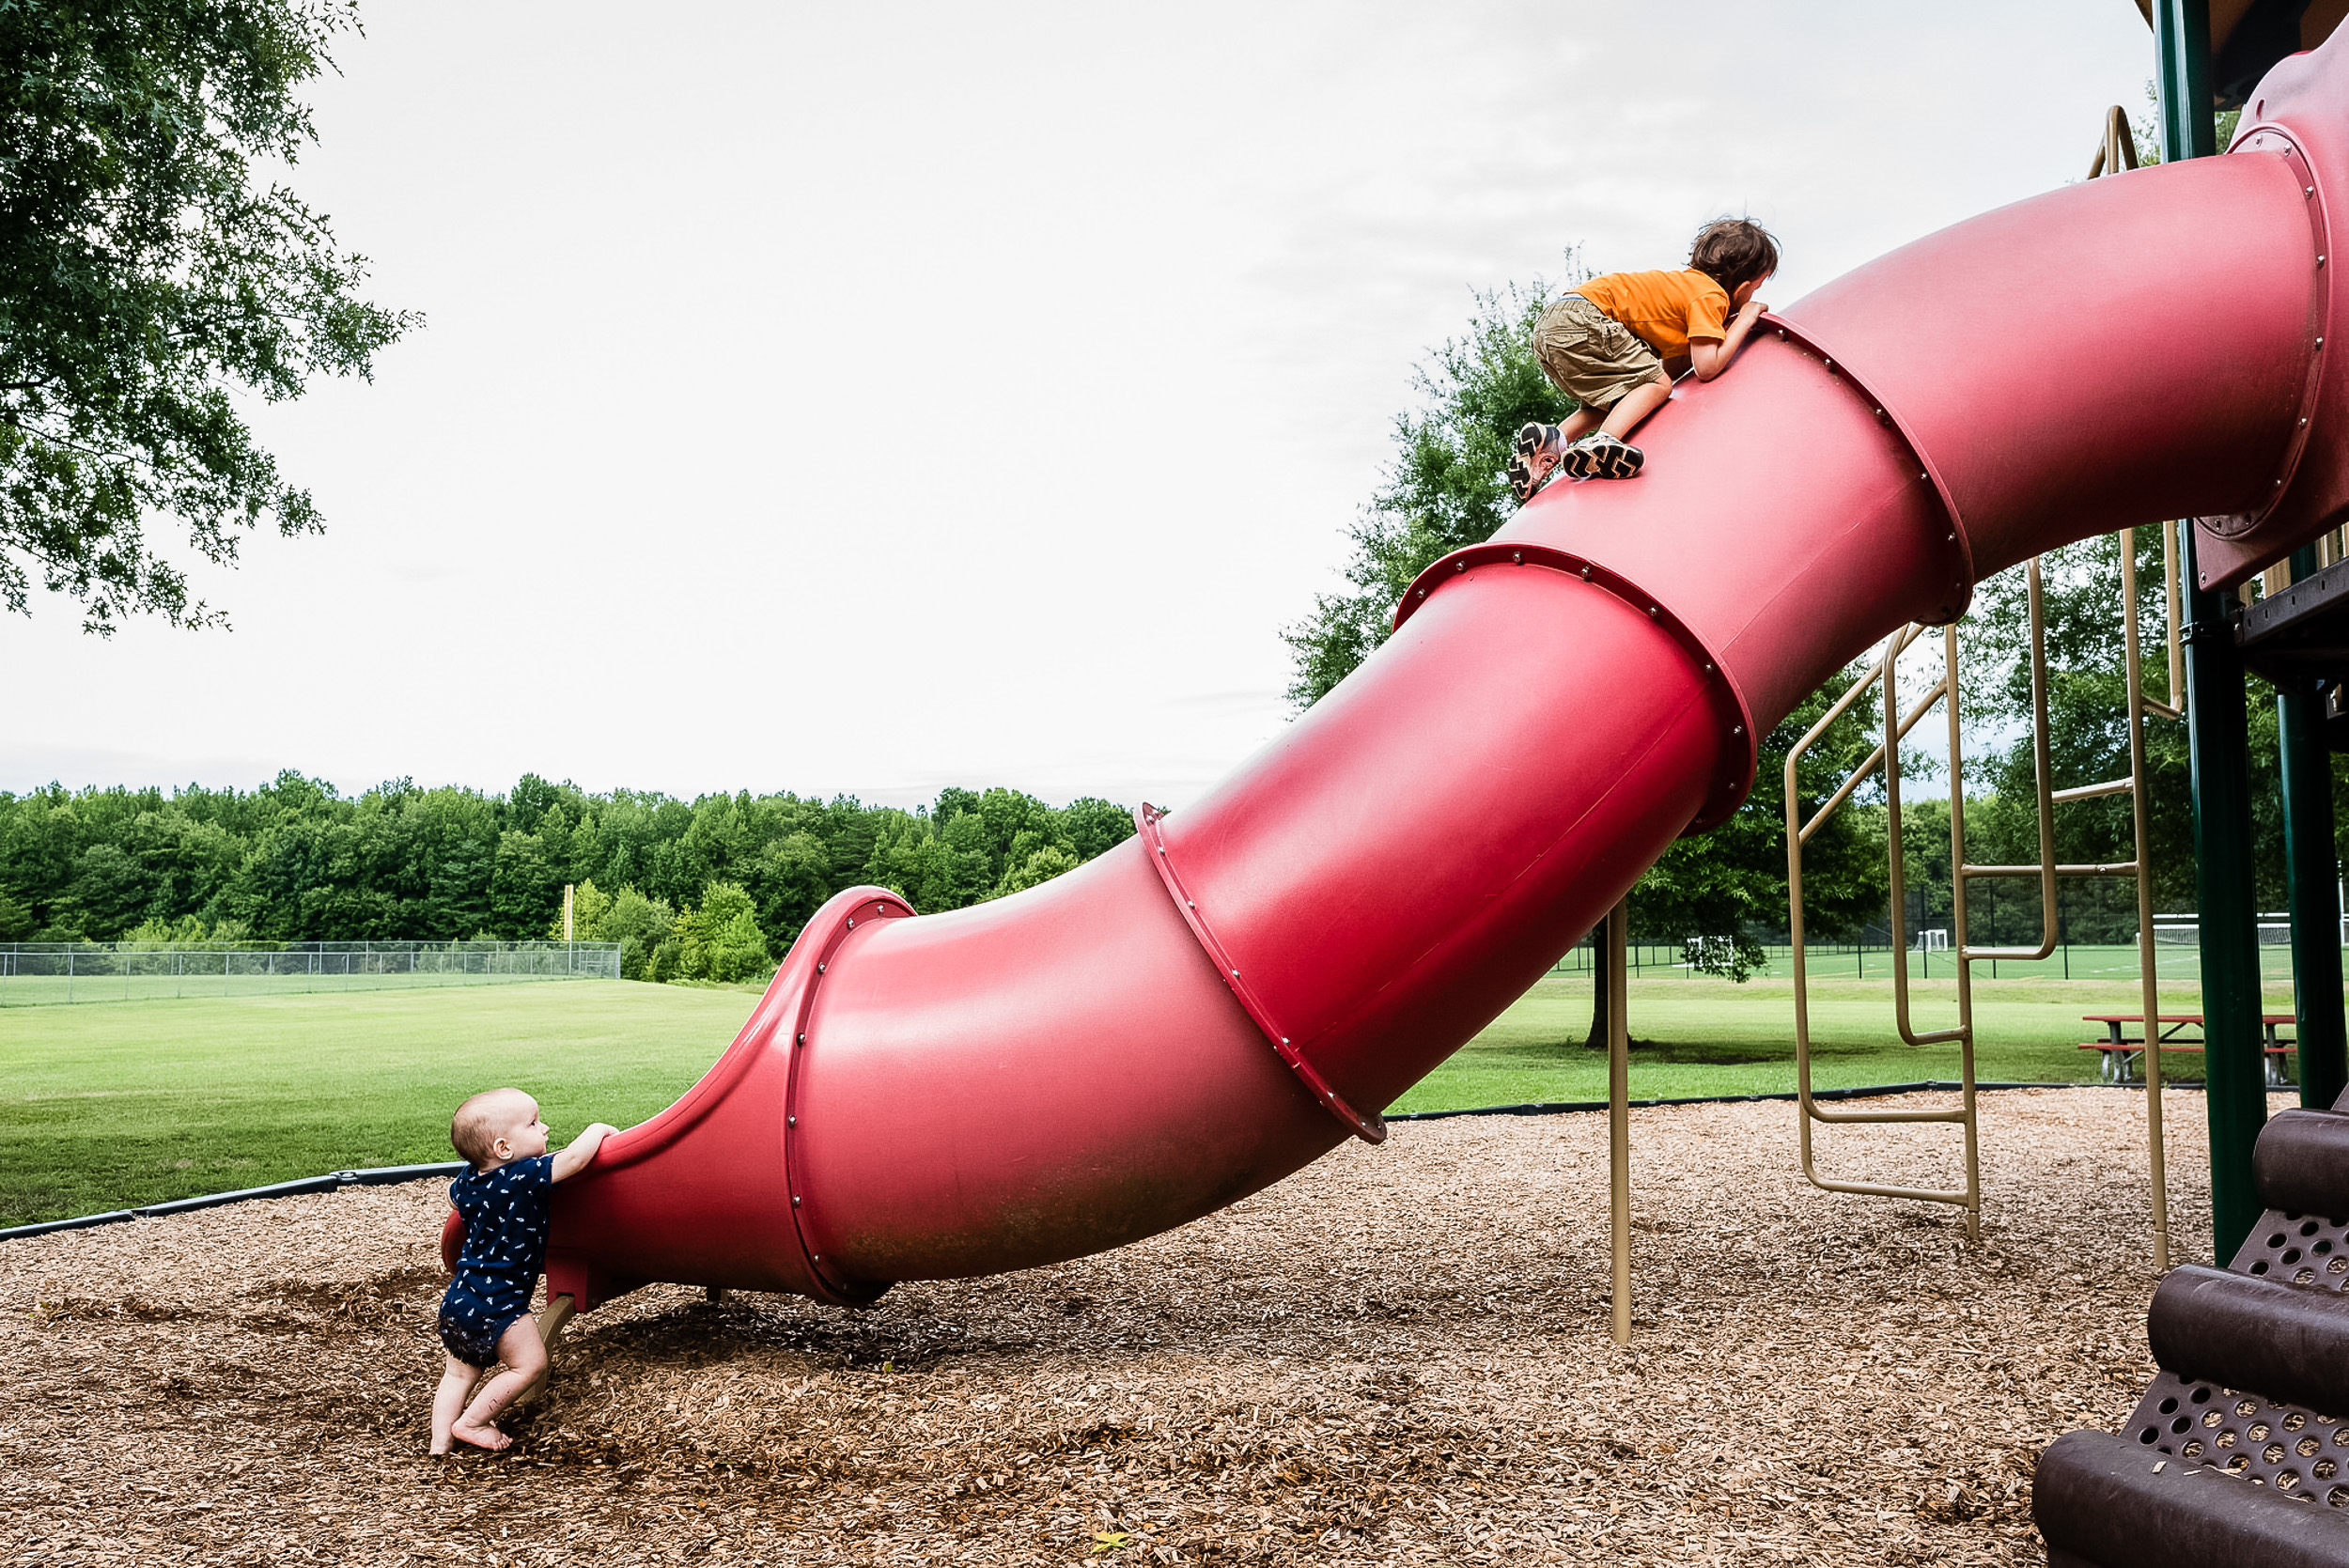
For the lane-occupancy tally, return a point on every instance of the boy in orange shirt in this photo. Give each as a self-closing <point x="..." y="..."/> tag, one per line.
<point x="1613" y="342"/>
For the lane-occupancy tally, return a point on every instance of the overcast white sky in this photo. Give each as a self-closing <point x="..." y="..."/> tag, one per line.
<point x="868" y="399"/>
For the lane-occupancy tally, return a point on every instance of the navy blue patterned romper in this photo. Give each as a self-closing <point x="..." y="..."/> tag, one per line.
<point x="505" y="1245"/>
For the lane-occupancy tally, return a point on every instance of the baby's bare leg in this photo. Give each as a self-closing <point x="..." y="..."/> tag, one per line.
<point x="449" y="1400"/>
<point x="525" y="1358"/>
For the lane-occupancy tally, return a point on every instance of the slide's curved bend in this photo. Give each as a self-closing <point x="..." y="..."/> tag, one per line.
<point x="1203" y="1010"/>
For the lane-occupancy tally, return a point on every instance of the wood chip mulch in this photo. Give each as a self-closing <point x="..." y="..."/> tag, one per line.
<point x="1399" y="1356"/>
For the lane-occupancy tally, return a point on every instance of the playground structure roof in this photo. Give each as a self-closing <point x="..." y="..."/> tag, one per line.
<point x="2249" y="35"/>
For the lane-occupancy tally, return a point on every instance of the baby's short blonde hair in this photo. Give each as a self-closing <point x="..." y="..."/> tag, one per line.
<point x="476" y="1126"/>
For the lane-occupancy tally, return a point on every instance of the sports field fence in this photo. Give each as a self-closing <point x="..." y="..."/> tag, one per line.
<point x="2175" y="960"/>
<point x="56" y="973"/>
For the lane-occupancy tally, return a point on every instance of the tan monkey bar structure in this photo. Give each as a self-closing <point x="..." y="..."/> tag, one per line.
<point x="1897" y="725"/>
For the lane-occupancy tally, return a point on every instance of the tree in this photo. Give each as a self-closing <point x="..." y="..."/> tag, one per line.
<point x="1444" y="488"/>
<point x="145" y="277"/>
<point x="721" y="941"/>
<point x="2088" y="743"/>
<point x="642" y="927"/>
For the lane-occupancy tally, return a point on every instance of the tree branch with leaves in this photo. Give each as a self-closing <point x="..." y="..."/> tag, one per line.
<point x="147" y="279"/>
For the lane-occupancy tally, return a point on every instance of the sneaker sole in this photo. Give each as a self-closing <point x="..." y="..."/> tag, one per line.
<point x="1577" y="463"/>
<point x="1521" y="481"/>
<point x="1620" y="461"/>
<point x="1527" y="468"/>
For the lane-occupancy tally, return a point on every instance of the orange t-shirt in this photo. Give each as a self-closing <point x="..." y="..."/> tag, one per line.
<point x="1664" y="310"/>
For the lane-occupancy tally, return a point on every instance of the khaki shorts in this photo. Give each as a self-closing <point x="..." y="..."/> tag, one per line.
<point x="1589" y="355"/>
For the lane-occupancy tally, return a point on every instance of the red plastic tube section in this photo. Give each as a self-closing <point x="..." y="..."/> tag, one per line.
<point x="1109" y="1055"/>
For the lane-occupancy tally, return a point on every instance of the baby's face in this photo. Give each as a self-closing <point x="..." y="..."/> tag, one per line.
<point x="523" y="1137"/>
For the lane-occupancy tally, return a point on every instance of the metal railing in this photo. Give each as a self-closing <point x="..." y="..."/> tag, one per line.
<point x="1897" y="725"/>
<point x="42" y="973"/>
<point x="2116" y="151"/>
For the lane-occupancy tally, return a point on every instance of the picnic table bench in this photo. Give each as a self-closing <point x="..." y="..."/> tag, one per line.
<point x="2123" y="1052"/>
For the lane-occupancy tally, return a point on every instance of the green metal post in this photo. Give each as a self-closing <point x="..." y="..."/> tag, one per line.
<point x="2307" y="766"/>
<point x="2218" y="730"/>
<point x="2182" y="49"/>
<point x="2218" y="733"/>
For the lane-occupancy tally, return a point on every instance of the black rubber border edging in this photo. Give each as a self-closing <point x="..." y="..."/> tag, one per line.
<point x="387" y="1175"/>
<point x="334" y="1180"/>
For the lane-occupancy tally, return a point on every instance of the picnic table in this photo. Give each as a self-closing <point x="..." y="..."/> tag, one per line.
<point x="2123" y="1053"/>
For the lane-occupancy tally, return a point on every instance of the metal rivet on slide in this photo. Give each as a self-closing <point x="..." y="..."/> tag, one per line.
<point x="1782" y="335"/>
<point x="1708" y="668"/>
<point x="1518" y="556"/>
<point x="804" y="1039"/>
<point x="852" y="923"/>
<point x="1462" y="566"/>
<point x="1652" y="610"/>
<point x="790" y="1121"/>
<point x="795" y="1200"/>
<point x="1586" y="574"/>
<point x="819" y="969"/>
<point x="1235" y="974"/>
<point x="1423" y="593"/>
<point x="1736" y="729"/>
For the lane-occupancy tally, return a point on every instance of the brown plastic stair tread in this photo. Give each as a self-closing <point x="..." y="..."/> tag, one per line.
<point x="2284" y="1340"/>
<point x="2295" y="1451"/>
<point x="2301" y="1163"/>
<point x="2102" y="1500"/>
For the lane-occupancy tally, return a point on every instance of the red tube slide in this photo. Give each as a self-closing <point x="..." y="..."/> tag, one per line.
<point x="1221" y="999"/>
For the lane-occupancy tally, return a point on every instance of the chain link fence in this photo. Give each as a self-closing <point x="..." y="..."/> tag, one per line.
<point x="55" y="973"/>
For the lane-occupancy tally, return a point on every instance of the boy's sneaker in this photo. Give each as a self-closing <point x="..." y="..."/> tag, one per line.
<point x="1535" y="453"/>
<point x="1600" y="456"/>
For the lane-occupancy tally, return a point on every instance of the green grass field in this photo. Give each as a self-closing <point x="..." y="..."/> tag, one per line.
<point x="111" y="1106"/>
<point x="107" y="1106"/>
<point x="1707" y="1037"/>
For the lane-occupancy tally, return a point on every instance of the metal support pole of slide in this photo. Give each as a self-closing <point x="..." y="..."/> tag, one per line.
<point x="2315" y="897"/>
<point x="2218" y="730"/>
<point x="1619" y="1116"/>
<point x="2233" y="1060"/>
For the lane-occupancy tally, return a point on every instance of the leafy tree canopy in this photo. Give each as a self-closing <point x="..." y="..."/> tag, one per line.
<point x="149" y="273"/>
<point x="1444" y="488"/>
<point x="707" y="889"/>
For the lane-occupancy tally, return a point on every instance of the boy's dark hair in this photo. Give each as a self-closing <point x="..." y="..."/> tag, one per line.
<point x="1733" y="252"/>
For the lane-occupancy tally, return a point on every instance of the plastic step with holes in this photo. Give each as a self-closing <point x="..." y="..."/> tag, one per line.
<point x="2301" y="1163"/>
<point x="2102" y="1500"/>
<point x="2242" y="1331"/>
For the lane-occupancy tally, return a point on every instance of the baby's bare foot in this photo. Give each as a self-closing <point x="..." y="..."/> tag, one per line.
<point x="481" y="1436"/>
